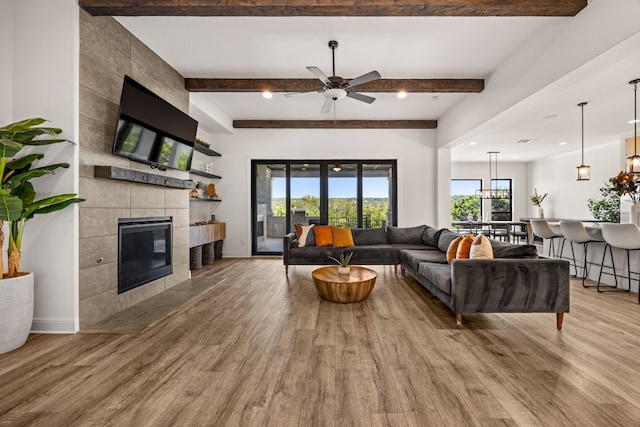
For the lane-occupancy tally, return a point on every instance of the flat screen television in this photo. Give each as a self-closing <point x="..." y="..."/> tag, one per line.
<point x="152" y="131"/>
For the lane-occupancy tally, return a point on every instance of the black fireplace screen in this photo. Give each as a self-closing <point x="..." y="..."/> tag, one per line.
<point x="144" y="251"/>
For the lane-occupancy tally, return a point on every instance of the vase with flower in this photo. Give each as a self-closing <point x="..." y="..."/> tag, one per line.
<point x="626" y="184"/>
<point x="537" y="199"/>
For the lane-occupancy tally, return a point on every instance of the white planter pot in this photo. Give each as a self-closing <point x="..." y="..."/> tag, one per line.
<point x="16" y="311"/>
<point x="344" y="270"/>
<point x="634" y="214"/>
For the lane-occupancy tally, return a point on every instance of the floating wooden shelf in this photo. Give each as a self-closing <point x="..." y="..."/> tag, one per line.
<point x="202" y="199"/>
<point x="205" y="150"/>
<point x="121" y="174"/>
<point x="205" y="174"/>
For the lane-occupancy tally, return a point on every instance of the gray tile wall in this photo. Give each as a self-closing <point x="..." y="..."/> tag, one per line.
<point x="107" y="52"/>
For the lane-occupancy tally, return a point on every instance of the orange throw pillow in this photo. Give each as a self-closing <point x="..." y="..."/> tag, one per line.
<point x="324" y="235"/>
<point x="342" y="237"/>
<point x="464" y="248"/>
<point x="453" y="248"/>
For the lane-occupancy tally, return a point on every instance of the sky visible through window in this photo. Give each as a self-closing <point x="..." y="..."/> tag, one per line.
<point x="340" y="188"/>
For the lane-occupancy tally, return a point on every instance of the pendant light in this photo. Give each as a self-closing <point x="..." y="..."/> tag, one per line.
<point x="633" y="162"/>
<point x="493" y="193"/>
<point x="584" y="171"/>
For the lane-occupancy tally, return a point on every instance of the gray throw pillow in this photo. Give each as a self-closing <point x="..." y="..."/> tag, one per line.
<point x="368" y="236"/>
<point x="445" y="239"/>
<point x="430" y="236"/>
<point x="406" y="235"/>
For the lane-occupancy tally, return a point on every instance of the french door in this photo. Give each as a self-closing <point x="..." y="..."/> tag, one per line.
<point x="357" y="193"/>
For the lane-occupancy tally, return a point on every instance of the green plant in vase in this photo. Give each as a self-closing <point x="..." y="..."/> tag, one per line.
<point x="343" y="261"/>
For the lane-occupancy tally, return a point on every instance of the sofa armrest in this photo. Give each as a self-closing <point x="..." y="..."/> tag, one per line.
<point x="288" y="241"/>
<point x="510" y="286"/>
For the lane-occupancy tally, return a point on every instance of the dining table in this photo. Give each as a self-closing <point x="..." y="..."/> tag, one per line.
<point x="477" y="226"/>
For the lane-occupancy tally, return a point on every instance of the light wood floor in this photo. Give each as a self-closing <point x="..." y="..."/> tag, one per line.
<point x="261" y="349"/>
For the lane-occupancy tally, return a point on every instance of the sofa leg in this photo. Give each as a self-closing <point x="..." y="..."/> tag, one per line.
<point x="286" y="269"/>
<point x="559" y="319"/>
<point x="395" y="269"/>
<point x="458" y="320"/>
<point x="404" y="272"/>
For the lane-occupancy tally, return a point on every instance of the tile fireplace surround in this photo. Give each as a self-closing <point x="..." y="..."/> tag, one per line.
<point x="108" y="52"/>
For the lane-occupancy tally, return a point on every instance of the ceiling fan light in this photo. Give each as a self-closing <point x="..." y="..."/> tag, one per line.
<point x="337" y="168"/>
<point x="335" y="94"/>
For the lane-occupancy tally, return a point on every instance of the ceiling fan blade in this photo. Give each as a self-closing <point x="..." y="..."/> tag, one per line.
<point x="365" y="78"/>
<point x="326" y="107"/>
<point x="361" y="97"/>
<point x="300" y="93"/>
<point x="319" y="74"/>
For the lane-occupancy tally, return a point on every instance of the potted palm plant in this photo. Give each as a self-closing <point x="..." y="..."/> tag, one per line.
<point x="343" y="261"/>
<point x="18" y="205"/>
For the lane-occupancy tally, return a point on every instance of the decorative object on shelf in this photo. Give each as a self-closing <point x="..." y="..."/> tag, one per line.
<point x="343" y="262"/>
<point x="203" y="143"/>
<point x="625" y="184"/>
<point x="584" y="171"/>
<point x="211" y="191"/>
<point x="633" y="162"/>
<point x="17" y="207"/>
<point x="491" y="192"/>
<point x="607" y="208"/>
<point x="537" y="199"/>
<point x="194" y="194"/>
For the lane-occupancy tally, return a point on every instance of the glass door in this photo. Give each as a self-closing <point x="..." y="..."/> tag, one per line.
<point x="269" y="207"/>
<point x="304" y="194"/>
<point x="343" y="194"/>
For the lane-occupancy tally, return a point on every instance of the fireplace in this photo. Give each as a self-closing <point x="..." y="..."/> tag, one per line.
<point x="144" y="251"/>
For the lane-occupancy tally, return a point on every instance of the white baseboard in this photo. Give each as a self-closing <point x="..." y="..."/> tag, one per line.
<point x="45" y="325"/>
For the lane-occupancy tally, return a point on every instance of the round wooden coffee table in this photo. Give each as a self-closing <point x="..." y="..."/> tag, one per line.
<point x="345" y="288"/>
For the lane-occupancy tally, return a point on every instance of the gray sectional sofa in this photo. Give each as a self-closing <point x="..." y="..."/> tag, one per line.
<point x="515" y="281"/>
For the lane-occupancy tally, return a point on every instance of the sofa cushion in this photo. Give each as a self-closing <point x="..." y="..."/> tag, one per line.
<point x="413" y="258"/>
<point x="324" y="235"/>
<point x="411" y="235"/>
<point x="464" y="248"/>
<point x="481" y="248"/>
<point x="318" y="252"/>
<point x="369" y="236"/>
<point x="438" y="274"/>
<point x="445" y="239"/>
<point x="303" y="232"/>
<point x="342" y="237"/>
<point x="452" y="250"/>
<point x="373" y="252"/>
<point x="509" y="250"/>
<point x="430" y="236"/>
<point x="417" y="247"/>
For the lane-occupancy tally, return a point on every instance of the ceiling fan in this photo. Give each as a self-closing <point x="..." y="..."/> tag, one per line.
<point x="336" y="88"/>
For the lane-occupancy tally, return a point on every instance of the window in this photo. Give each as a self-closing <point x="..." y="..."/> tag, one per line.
<point x="356" y="193"/>
<point x="501" y="209"/>
<point x="464" y="202"/>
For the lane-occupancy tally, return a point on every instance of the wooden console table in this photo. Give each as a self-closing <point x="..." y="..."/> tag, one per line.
<point x="205" y="243"/>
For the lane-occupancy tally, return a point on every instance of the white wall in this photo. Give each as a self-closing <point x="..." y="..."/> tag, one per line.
<point x="45" y="84"/>
<point x="6" y="70"/>
<point x="413" y="149"/>
<point x="557" y="176"/>
<point x="517" y="171"/>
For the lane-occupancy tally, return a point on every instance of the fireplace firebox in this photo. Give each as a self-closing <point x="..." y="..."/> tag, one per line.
<point x="144" y="251"/>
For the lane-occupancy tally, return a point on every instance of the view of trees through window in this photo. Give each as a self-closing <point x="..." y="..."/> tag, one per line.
<point x="464" y="202"/>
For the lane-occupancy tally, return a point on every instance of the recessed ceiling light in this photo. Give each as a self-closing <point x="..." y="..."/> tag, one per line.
<point x="562" y="143"/>
<point x="516" y="157"/>
<point x="524" y="141"/>
<point x="473" y="143"/>
<point x="266" y="94"/>
<point x="402" y="94"/>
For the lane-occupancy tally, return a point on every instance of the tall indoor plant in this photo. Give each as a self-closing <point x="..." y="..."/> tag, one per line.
<point x="18" y="205"/>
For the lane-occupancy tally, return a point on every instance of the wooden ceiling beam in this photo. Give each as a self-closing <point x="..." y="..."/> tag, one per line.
<point x="335" y="124"/>
<point x="333" y="7"/>
<point x="304" y="85"/>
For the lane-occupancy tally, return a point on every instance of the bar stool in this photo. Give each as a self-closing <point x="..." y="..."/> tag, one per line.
<point x="542" y="229"/>
<point x="621" y="236"/>
<point x="575" y="232"/>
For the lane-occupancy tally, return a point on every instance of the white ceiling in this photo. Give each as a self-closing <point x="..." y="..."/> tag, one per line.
<point x="408" y="47"/>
